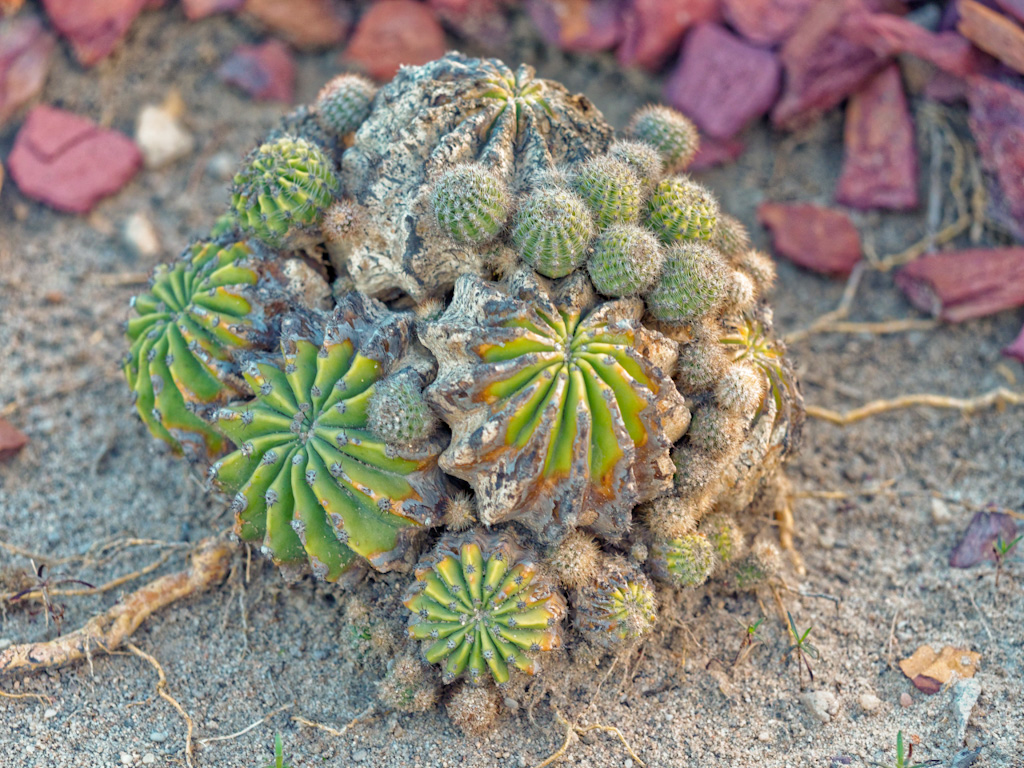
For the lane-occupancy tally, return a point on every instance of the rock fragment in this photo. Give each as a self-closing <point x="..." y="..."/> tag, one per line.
<point x="1016" y="349"/>
<point x="822" y="705"/>
<point x="765" y="22"/>
<point x="266" y="72"/>
<point x="25" y="48"/>
<point x="960" y="285"/>
<point x="161" y="136"/>
<point x="993" y="33"/>
<point x="976" y="545"/>
<point x="200" y="9"/>
<point x="578" y="25"/>
<point x="815" y="237"/>
<point x="93" y="28"/>
<point x="306" y="24"/>
<point x="965" y="696"/>
<point x="12" y="440"/>
<point x="653" y="29"/>
<point x="392" y="33"/>
<point x="997" y="124"/>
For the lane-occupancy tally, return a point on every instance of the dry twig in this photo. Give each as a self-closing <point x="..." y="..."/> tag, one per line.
<point x="999" y="398"/>
<point x="248" y="728"/>
<point x="366" y="714"/>
<point x="41" y="698"/>
<point x="573" y="729"/>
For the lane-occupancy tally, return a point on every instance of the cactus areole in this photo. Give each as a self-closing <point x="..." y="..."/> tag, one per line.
<point x="462" y="293"/>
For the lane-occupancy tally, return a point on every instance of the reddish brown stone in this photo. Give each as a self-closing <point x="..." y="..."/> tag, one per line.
<point x="888" y="35"/>
<point x="993" y="33"/>
<point x="960" y="285"/>
<point x="997" y="123"/>
<point x="480" y="20"/>
<point x="25" y="49"/>
<point x="1016" y="348"/>
<point x="822" y="65"/>
<point x="818" y="238"/>
<point x="266" y="72"/>
<point x="712" y="152"/>
<point x="578" y="25"/>
<point x="200" y="9"/>
<point x="653" y="29"/>
<point x="12" y="440"/>
<point x="880" y="164"/>
<point x="722" y="82"/>
<point x="69" y="162"/>
<point x="765" y="22"/>
<point x="392" y="33"/>
<point x="93" y="28"/>
<point x="976" y="545"/>
<point x="306" y="24"/>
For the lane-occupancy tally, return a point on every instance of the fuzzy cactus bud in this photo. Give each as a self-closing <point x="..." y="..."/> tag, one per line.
<point x="282" y="191"/>
<point x="575" y="559"/>
<point x="619" y="606"/>
<point x="691" y="284"/>
<point x="626" y="260"/>
<point x="740" y="293"/>
<point x="642" y="158"/>
<point x="701" y="363"/>
<point x="408" y="686"/>
<point x="714" y="431"/>
<point x="459" y="512"/>
<point x="610" y="189"/>
<point x="341" y="221"/>
<point x="681" y="209"/>
<point x="344" y="103"/>
<point x="470" y="204"/>
<point x="552" y="230"/>
<point x="669" y="132"/>
<point x="473" y="709"/>
<point x="686" y="561"/>
<point x="731" y="237"/>
<point x="761" y="564"/>
<point x="741" y="389"/>
<point x="725" y="536"/>
<point x="760" y="267"/>
<point x="669" y="517"/>
<point x="397" y="412"/>
<point x="502" y="259"/>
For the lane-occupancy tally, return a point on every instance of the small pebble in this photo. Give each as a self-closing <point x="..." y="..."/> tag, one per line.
<point x="940" y="512"/>
<point x="512" y="704"/>
<point x="126" y="759"/>
<point x="50" y="712"/>
<point x="5" y="643"/>
<point x="222" y="166"/>
<point x="628" y="763"/>
<point x="869" y="702"/>
<point x="360" y="755"/>
<point x="141" y="236"/>
<point x="158" y="736"/>
<point x="906" y="699"/>
<point x="148" y="759"/>
<point x="822" y="705"/>
<point x="161" y="137"/>
<point x="764" y="736"/>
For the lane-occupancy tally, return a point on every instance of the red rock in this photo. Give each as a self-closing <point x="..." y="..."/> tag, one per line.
<point x="266" y="72"/>
<point x="200" y="9"/>
<point x="722" y="82"/>
<point x="94" y="28"/>
<point x="959" y="285"/>
<point x="821" y="239"/>
<point x="888" y="35"/>
<point x="306" y="24"/>
<point x="976" y="545"/>
<point x="880" y="162"/>
<point x="479" y="20"/>
<point x="578" y="25"/>
<point x="822" y="65"/>
<point x="68" y="162"/>
<point x="25" y="49"/>
<point x="766" y="22"/>
<point x="12" y="440"/>
<point x="653" y="29"/>
<point x="1016" y="348"/>
<point x="1013" y="7"/>
<point x="392" y="33"/>
<point x="712" y="152"/>
<point x="997" y="123"/>
<point x="993" y="33"/>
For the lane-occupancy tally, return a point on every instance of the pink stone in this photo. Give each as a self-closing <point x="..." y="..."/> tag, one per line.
<point x="578" y="25"/>
<point x="1016" y="348"/>
<point x="68" y="162"/>
<point x="997" y="123"/>
<point x="392" y="33"/>
<point x="976" y="544"/>
<point x="482" y="21"/>
<point x="12" y="440"/>
<point x="712" y="152"/>
<point x="822" y="65"/>
<point x="818" y="238"/>
<point x="722" y="82"/>
<point x="306" y="24"/>
<point x="25" y="49"/>
<point x="200" y="9"/>
<point x="266" y="72"/>
<point x="653" y="29"/>
<point x="960" y="285"/>
<point x="1013" y="7"/>
<point x="766" y="22"/>
<point x="993" y="33"/>
<point x="93" y="27"/>
<point x="880" y="164"/>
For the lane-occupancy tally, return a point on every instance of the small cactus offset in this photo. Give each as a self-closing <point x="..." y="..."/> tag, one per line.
<point x="669" y="132"/>
<point x="725" y="536"/>
<point x="397" y="412"/>
<point x="470" y="204"/>
<point x="618" y="607"/>
<point x="642" y="158"/>
<point x="685" y="562"/>
<point x="482" y="607"/>
<point x="552" y="231"/>
<point x="282" y="191"/>
<point x="626" y="260"/>
<point x="691" y="285"/>
<point x="611" y="189"/>
<point x="343" y="104"/>
<point x="680" y="209"/>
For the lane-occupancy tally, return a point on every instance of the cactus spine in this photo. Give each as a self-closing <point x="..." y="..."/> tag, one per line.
<point x="610" y="189"/>
<point x="691" y="284"/>
<point x="680" y="209"/>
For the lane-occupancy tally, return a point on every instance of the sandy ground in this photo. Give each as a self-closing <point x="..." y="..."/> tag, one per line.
<point x="92" y="475"/>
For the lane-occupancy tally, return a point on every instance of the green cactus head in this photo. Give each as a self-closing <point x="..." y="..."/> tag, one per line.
<point x="731" y="237"/>
<point x="197" y="315"/>
<point x="715" y="431"/>
<point x="625" y="261"/>
<point x="282" y="191"/>
<point x="747" y="341"/>
<point x="669" y="132"/>
<point x="761" y="564"/>
<point x="680" y="209"/>
<point x="397" y="412"/>
<point x="481" y="605"/>
<point x="725" y="536"/>
<point x="642" y="158"/>
<point x="691" y="284"/>
<point x="344" y="103"/>
<point x="740" y="293"/>
<point x="552" y="230"/>
<point x="618" y="607"/>
<point x="309" y="478"/>
<point x="470" y="204"/>
<point x="686" y="561"/>
<point x="611" y="190"/>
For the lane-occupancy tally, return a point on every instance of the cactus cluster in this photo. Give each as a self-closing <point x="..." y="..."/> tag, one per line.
<point x="455" y="334"/>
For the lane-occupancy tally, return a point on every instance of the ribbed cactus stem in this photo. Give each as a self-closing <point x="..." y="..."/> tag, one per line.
<point x="470" y="204"/>
<point x="618" y="607"/>
<point x="610" y="189"/>
<point x="731" y="237"/>
<point x="686" y="561"/>
<point x="642" y="158"/>
<point x="343" y="104"/>
<point x="681" y="209"/>
<point x="397" y="411"/>
<point x="691" y="284"/>
<point x="626" y="260"/>
<point x="552" y="230"/>
<point x="669" y="132"/>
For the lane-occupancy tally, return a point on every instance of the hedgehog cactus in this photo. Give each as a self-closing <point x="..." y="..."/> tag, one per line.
<point x="482" y="607"/>
<point x="517" y="418"/>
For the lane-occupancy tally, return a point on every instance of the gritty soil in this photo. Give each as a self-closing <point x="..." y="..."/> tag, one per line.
<point x="92" y="476"/>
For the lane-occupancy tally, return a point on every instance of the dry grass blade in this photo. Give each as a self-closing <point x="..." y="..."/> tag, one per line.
<point x="112" y="584"/>
<point x="998" y="398"/>
<point x="161" y="689"/>
<point x="41" y="698"/>
<point x="248" y="728"/>
<point x="366" y="714"/>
